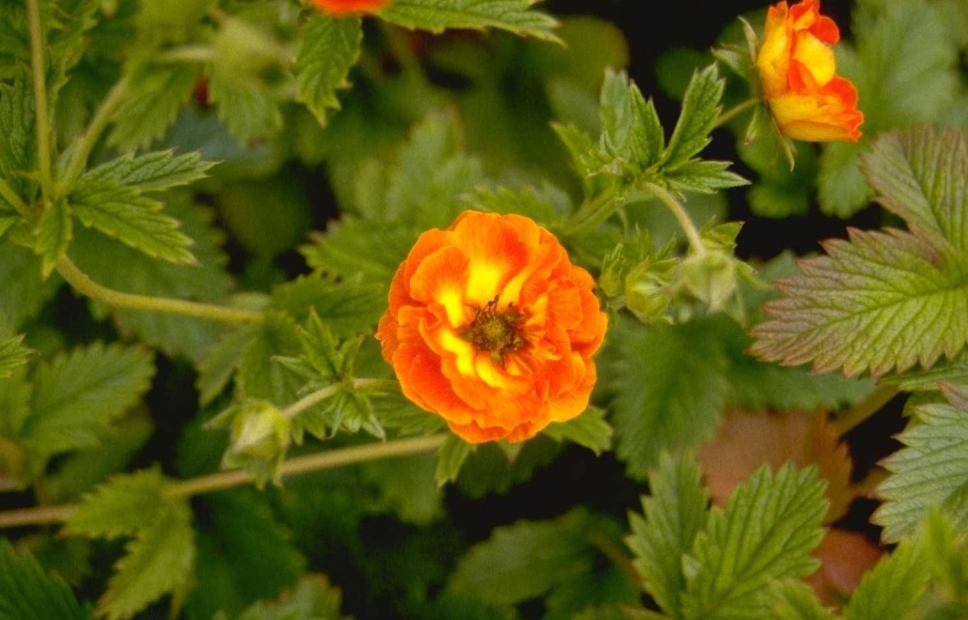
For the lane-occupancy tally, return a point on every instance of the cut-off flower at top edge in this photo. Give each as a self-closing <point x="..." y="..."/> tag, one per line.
<point x="798" y="73"/>
<point x="350" y="7"/>
<point x="491" y="327"/>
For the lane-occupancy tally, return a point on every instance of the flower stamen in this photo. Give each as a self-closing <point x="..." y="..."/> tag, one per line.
<point x="496" y="332"/>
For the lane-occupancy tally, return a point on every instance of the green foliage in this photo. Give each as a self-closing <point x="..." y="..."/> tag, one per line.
<point x="330" y="47"/>
<point x="53" y="234"/>
<point x="28" y="593"/>
<point x="437" y="15"/>
<point x="312" y="599"/>
<point x="901" y="303"/>
<point x="205" y="281"/>
<point x="904" y="69"/>
<point x="534" y="558"/>
<point x="76" y="395"/>
<point x="122" y="506"/>
<point x="17" y="147"/>
<point x="152" y="101"/>
<point x="794" y="600"/>
<point x="407" y="486"/>
<point x="13" y="355"/>
<point x="111" y="198"/>
<point x="244" y="553"/>
<point x="767" y="530"/>
<point x="632" y="153"/>
<point x="892" y="589"/>
<point x="675" y="513"/>
<point x="22" y="293"/>
<point x="589" y="429"/>
<point x="160" y="559"/>
<point x="928" y="472"/>
<point x="451" y="458"/>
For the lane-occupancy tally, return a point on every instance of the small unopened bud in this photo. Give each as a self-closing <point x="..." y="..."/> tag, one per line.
<point x="710" y="277"/>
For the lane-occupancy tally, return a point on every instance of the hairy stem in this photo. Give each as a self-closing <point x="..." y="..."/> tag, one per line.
<point x="592" y="213"/>
<point x="737" y="109"/>
<point x="331" y="390"/>
<point x="85" y="285"/>
<point x="38" y="66"/>
<point x="237" y="477"/>
<point x="692" y="233"/>
<point x="92" y="134"/>
<point x="7" y="193"/>
<point x="872" y="403"/>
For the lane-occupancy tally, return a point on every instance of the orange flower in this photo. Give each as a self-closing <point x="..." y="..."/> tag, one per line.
<point x="491" y="327"/>
<point x="346" y="7"/>
<point x="798" y="73"/>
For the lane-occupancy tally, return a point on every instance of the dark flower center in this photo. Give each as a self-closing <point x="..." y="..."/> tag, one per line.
<point x="494" y="331"/>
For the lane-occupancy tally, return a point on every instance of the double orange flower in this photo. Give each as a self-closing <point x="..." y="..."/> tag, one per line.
<point x="348" y="7"/>
<point x="798" y="73"/>
<point x="491" y="327"/>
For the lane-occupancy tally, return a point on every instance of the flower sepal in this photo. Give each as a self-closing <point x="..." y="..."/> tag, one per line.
<point x="259" y="436"/>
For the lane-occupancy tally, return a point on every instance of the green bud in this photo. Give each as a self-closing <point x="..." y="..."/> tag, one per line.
<point x="647" y="291"/>
<point x="259" y="435"/>
<point x="710" y="277"/>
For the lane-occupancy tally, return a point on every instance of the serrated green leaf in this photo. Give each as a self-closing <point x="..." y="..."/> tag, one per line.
<point x="767" y="530"/>
<point x="27" y="593"/>
<point x="431" y="174"/>
<point x="930" y="471"/>
<point x="53" y="233"/>
<point x="630" y="127"/>
<point x="668" y="385"/>
<point x="795" y="600"/>
<point x="345" y="249"/>
<point x="216" y="370"/>
<point x="919" y="176"/>
<point x="22" y="292"/>
<point x="122" y="506"/>
<point x="18" y="138"/>
<point x="153" y="99"/>
<point x="248" y="109"/>
<point x="346" y="308"/>
<point x="13" y="355"/>
<point x="700" y="109"/>
<point x="121" y="212"/>
<point x="244" y="554"/>
<point x="706" y="177"/>
<point x="407" y="485"/>
<point x="588" y="429"/>
<point x="438" y="15"/>
<point x="450" y="458"/>
<point x="675" y="513"/>
<point x="159" y="560"/>
<point x="882" y="301"/>
<point x="81" y="471"/>
<point x="530" y="558"/>
<point x="329" y="49"/>
<point x="151" y="172"/>
<point x="206" y="281"/>
<point x="891" y="590"/>
<point x="78" y="393"/>
<point x="260" y="376"/>
<point x="312" y="599"/>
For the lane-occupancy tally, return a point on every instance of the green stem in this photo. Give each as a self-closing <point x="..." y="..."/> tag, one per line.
<point x="592" y="213"/>
<point x="85" y="285"/>
<point x="237" y="477"/>
<point x="38" y="66"/>
<point x="7" y="193"/>
<point x="331" y="390"/>
<point x="859" y="413"/>
<point x="92" y="134"/>
<point x="187" y="54"/>
<point x="309" y="463"/>
<point x="692" y="233"/>
<point x="737" y="109"/>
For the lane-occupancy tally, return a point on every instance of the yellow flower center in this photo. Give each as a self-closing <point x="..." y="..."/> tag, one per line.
<point x="494" y="331"/>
